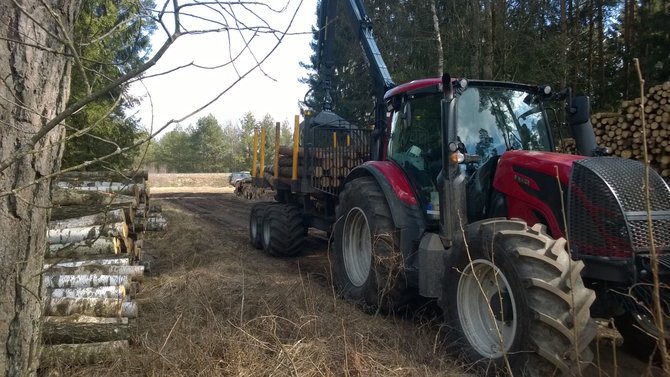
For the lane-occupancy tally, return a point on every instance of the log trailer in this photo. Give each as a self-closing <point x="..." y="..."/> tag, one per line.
<point x="456" y="194"/>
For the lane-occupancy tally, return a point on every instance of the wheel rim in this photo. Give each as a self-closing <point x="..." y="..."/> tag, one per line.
<point x="357" y="247"/>
<point x="477" y="301"/>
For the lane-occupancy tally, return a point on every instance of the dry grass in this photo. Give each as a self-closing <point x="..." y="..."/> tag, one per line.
<point x="221" y="308"/>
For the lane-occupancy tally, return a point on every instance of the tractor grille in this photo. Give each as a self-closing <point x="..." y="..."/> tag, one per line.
<point x="607" y="208"/>
<point x="332" y="152"/>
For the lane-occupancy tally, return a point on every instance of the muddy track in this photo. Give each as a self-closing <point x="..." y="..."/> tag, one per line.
<point x="227" y="211"/>
<point x="222" y="209"/>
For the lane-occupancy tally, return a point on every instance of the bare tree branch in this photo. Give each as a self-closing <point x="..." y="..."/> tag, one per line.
<point x="133" y="75"/>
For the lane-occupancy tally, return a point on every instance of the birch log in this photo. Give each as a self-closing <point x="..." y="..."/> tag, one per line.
<point x="83" y="329"/>
<point x="103" y="245"/>
<point x="96" y="307"/>
<point x="118" y="292"/>
<point x="83" y="281"/>
<point x="68" y="197"/>
<point x="137" y="176"/>
<point x="133" y="272"/>
<point x="158" y="223"/>
<point x="79" y="234"/>
<point x="87" y="353"/>
<point x="110" y="217"/>
<point x="77" y="262"/>
<point x="101" y="186"/>
<point x="151" y="224"/>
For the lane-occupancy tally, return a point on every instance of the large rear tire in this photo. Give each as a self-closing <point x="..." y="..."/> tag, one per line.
<point x="369" y="266"/>
<point x="516" y="301"/>
<point x="283" y="230"/>
<point x="256" y="223"/>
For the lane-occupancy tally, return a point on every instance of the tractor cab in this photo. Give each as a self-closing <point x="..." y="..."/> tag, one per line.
<point x="489" y="119"/>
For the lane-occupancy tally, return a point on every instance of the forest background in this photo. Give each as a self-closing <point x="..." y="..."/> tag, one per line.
<point x="585" y="44"/>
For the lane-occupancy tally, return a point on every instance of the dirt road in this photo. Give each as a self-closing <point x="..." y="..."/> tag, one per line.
<point x="228" y="215"/>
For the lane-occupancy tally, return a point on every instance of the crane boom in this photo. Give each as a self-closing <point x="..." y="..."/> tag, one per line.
<point x="327" y="31"/>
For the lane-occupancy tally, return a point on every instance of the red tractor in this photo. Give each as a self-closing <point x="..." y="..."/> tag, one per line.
<point x="462" y="198"/>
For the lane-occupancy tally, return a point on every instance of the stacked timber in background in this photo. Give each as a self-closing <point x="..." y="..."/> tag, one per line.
<point x="93" y="264"/>
<point x="328" y="165"/>
<point x="621" y="131"/>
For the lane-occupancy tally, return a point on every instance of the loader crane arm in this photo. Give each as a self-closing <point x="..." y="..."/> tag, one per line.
<point x="327" y="24"/>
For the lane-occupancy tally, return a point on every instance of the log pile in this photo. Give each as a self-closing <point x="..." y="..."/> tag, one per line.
<point x="93" y="264"/>
<point x="328" y="166"/>
<point x="621" y="131"/>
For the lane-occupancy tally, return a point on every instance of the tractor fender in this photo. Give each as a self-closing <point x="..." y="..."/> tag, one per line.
<point x="403" y="204"/>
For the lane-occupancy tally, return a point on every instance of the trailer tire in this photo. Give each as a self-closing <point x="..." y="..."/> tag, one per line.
<point x="640" y="335"/>
<point x="283" y="230"/>
<point x="256" y="223"/>
<point x="369" y="266"/>
<point x="526" y="281"/>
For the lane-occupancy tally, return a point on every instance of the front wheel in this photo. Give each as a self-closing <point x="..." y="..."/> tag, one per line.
<point x="515" y="301"/>
<point x="369" y="266"/>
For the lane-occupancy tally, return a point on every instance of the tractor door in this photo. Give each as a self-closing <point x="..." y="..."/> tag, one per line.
<point x="415" y="145"/>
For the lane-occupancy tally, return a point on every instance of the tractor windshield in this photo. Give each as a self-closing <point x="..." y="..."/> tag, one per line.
<point x="492" y="120"/>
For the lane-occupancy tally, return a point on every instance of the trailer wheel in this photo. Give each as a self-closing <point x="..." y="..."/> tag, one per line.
<point x="256" y="223"/>
<point x="368" y="261"/>
<point x="640" y="334"/>
<point x="515" y="301"/>
<point x="283" y="230"/>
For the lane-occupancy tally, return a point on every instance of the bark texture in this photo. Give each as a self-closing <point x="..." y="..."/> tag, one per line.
<point x="84" y="329"/>
<point x="35" y="87"/>
<point x="87" y="353"/>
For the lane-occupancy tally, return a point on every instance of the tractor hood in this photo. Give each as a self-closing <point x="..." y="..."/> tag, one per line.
<point x="529" y="180"/>
<point x="603" y="198"/>
<point x="545" y="163"/>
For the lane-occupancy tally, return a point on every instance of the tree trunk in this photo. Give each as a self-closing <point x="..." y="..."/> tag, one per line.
<point x="83" y="329"/>
<point x="438" y="38"/>
<point x="35" y="71"/>
<point x="563" y="50"/>
<point x="488" y="34"/>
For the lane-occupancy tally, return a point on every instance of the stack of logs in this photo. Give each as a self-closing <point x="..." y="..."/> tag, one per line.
<point x="329" y="166"/>
<point x="621" y="131"/>
<point x="93" y="264"/>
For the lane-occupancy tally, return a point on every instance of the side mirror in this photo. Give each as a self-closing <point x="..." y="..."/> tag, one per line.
<point x="579" y="120"/>
<point x="579" y="110"/>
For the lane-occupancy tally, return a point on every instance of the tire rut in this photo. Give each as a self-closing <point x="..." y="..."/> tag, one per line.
<point x="222" y="209"/>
